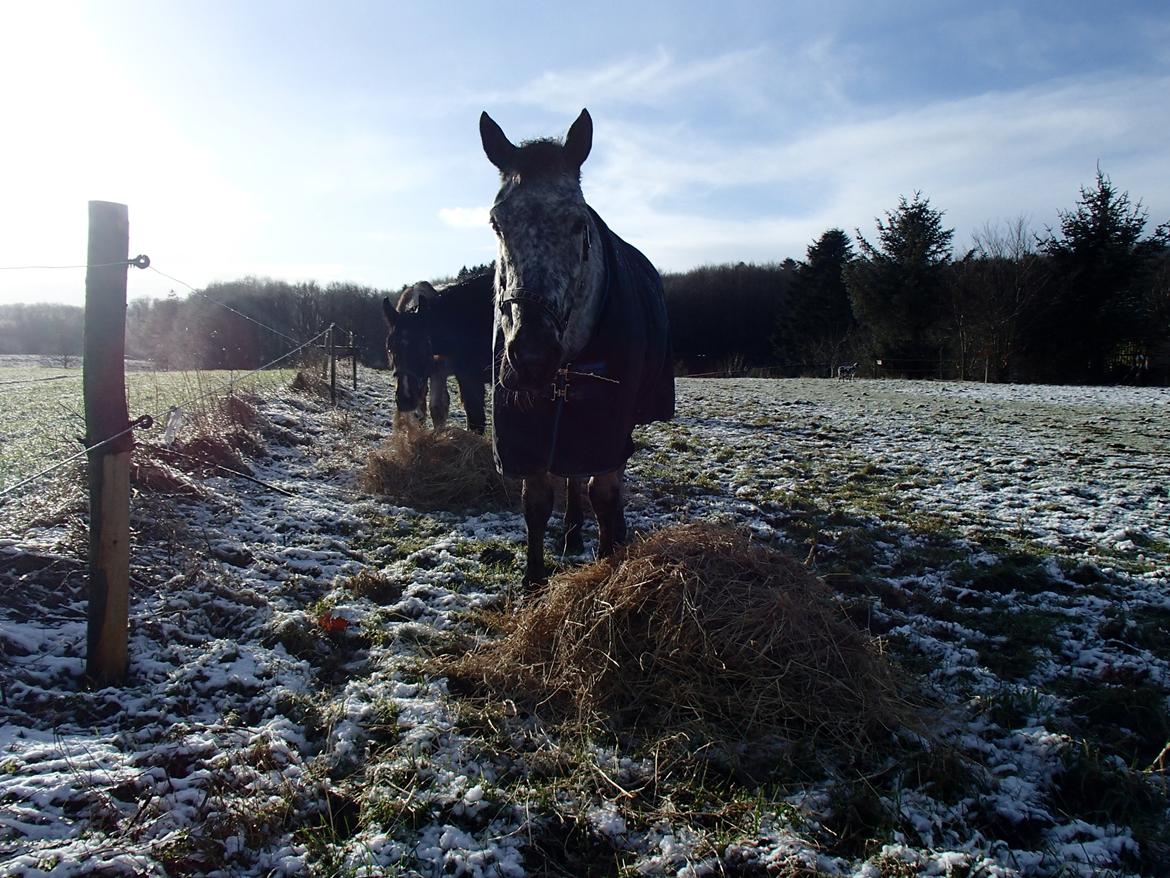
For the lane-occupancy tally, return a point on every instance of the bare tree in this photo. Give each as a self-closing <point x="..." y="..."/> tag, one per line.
<point x="996" y="286"/>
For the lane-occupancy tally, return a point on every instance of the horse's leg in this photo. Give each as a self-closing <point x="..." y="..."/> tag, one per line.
<point x="605" y="493"/>
<point x="473" y="392"/>
<point x="537" y="494"/>
<point x="421" y="411"/>
<point x="440" y="400"/>
<point x="574" y="518"/>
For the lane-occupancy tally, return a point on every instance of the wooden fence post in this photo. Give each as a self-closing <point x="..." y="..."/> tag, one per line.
<point x="324" y="348"/>
<point x="104" y="389"/>
<point x="353" y="357"/>
<point x="332" y="364"/>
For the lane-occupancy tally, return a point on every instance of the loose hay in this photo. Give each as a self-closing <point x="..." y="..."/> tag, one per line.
<point x="449" y="468"/>
<point x="310" y="383"/>
<point x="697" y="626"/>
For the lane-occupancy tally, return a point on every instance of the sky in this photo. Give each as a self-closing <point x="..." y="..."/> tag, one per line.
<point x="339" y="141"/>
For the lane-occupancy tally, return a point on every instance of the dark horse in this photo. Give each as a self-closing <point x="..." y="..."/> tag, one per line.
<point x="581" y="350"/>
<point x="434" y="333"/>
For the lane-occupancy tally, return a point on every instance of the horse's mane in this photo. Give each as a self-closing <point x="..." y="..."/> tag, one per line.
<point x="408" y="300"/>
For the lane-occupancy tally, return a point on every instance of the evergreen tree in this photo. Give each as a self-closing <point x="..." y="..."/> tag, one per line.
<point x="898" y="286"/>
<point x="1096" y="303"/>
<point x="816" y="330"/>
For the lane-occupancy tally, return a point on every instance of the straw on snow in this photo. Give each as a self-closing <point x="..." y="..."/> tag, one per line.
<point x="697" y="625"/>
<point x="449" y="468"/>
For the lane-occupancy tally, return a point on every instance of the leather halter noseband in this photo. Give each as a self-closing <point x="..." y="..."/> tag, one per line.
<point x="521" y="297"/>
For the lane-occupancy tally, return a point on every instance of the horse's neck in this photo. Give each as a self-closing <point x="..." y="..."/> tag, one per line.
<point x="444" y="325"/>
<point x="460" y="320"/>
<point x="587" y="307"/>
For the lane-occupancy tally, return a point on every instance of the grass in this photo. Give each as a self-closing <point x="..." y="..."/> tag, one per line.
<point x="43" y="420"/>
<point x="914" y="577"/>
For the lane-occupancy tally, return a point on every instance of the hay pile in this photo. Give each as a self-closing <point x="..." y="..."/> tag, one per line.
<point x="698" y="627"/>
<point x="449" y="469"/>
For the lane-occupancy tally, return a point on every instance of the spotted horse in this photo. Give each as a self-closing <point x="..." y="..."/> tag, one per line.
<point x="580" y="348"/>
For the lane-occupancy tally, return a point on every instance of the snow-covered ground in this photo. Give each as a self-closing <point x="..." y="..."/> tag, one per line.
<point x="1011" y="545"/>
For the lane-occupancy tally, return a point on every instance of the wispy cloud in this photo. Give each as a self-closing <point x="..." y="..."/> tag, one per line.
<point x="638" y="81"/>
<point x="678" y="187"/>
<point x="980" y="159"/>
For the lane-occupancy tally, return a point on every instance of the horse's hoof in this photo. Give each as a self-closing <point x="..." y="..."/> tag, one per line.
<point x="534" y="577"/>
<point x="530" y="584"/>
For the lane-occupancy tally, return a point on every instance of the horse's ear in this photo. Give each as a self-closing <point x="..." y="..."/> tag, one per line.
<point x="390" y="311"/>
<point x="499" y="149"/>
<point x="579" y="140"/>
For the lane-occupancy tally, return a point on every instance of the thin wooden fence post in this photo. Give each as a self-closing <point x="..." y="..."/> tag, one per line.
<point x="325" y="354"/>
<point x="332" y="364"/>
<point x="104" y="389"/>
<point x="353" y="357"/>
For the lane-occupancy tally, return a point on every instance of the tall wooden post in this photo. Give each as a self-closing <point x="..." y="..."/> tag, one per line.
<point x="333" y="363"/>
<point x="353" y="358"/>
<point x="104" y="387"/>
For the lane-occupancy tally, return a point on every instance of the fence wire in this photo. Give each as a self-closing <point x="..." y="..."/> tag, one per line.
<point x="219" y="389"/>
<point x="36" y="380"/>
<point x="225" y="306"/>
<point x="143" y="262"/>
<point x="60" y="267"/>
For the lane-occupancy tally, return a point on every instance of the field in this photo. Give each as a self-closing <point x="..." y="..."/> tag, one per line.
<point x="1009" y="546"/>
<point x="44" y="414"/>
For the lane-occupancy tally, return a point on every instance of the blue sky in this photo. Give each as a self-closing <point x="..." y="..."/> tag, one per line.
<point x="339" y="141"/>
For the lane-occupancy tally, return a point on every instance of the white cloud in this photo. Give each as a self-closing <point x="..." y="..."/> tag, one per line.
<point x="638" y="80"/>
<point x="984" y="158"/>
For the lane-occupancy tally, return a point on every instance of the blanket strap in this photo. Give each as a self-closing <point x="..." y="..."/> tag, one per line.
<point x="560" y="385"/>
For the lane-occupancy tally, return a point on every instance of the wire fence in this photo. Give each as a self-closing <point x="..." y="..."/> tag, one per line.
<point x="225" y="306"/>
<point x="38" y="380"/>
<point x="145" y="421"/>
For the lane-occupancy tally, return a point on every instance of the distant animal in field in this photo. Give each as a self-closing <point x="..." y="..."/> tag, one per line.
<point x="435" y="333"/>
<point x="847" y="372"/>
<point x="580" y="346"/>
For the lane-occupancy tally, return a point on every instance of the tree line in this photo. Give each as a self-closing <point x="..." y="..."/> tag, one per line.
<point x="1087" y="302"/>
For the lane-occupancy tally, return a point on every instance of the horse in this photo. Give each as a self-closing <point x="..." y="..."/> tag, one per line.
<point x="847" y="372"/>
<point x="434" y="333"/>
<point x="580" y="342"/>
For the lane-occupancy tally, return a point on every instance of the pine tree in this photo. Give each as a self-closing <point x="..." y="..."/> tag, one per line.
<point x="1096" y="301"/>
<point x="816" y="331"/>
<point x="898" y="287"/>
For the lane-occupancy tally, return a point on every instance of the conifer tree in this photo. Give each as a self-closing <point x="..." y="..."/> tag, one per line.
<point x="898" y="286"/>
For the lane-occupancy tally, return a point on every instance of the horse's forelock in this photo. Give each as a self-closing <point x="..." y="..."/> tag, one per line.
<point x="540" y="159"/>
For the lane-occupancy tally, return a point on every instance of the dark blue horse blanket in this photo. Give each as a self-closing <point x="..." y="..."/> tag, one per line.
<point x="625" y="376"/>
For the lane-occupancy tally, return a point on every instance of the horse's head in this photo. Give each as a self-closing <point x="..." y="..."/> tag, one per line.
<point x="408" y="345"/>
<point x="550" y="266"/>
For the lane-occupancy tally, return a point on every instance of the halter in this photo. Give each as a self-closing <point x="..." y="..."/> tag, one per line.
<point x="520" y="296"/>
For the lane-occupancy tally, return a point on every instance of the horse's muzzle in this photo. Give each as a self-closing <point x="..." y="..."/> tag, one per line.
<point x="409" y="393"/>
<point x="531" y="366"/>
